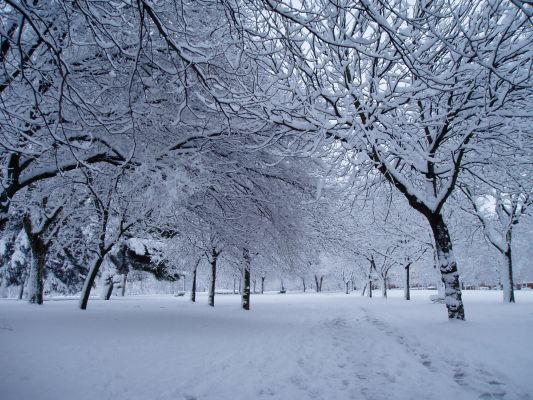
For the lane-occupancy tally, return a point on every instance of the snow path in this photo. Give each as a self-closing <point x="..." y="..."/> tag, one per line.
<point x="312" y="346"/>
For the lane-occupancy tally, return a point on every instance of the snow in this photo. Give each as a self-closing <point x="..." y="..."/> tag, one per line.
<point x="292" y="346"/>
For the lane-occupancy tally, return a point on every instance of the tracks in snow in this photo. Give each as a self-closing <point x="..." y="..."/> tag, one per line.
<point x="478" y="381"/>
<point x="350" y="354"/>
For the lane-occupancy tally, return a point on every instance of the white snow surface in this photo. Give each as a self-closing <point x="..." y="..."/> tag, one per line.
<point x="292" y="346"/>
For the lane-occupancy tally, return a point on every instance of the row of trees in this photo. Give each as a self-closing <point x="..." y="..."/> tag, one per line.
<point x="252" y="129"/>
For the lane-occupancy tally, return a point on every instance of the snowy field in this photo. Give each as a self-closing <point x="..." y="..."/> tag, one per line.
<point x="293" y="346"/>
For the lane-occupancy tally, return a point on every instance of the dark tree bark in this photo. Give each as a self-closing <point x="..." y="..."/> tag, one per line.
<point x="246" y="279"/>
<point x="193" y="287"/>
<point x="213" y="261"/>
<point x="448" y="267"/>
<point x="124" y="281"/>
<point x="21" y="291"/>
<point x="372" y="266"/>
<point x="39" y="248"/>
<point x="347" y="285"/>
<point x="110" y="287"/>
<point x="262" y="284"/>
<point x="507" y="275"/>
<point x="89" y="281"/>
<point x="318" y="283"/>
<point x="407" y="291"/>
<point x="36" y="289"/>
<point x="303" y="283"/>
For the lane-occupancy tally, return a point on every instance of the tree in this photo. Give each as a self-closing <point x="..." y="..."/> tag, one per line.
<point x="40" y="234"/>
<point x="404" y="87"/>
<point x="498" y="213"/>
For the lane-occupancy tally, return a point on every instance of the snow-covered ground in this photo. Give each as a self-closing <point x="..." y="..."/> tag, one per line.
<point x="292" y="346"/>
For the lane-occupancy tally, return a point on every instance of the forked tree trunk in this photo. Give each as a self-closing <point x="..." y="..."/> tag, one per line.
<point x="89" y="282"/>
<point x="448" y="267"/>
<point x="262" y="285"/>
<point x="246" y="279"/>
<point x="407" y="290"/>
<point x="213" y="262"/>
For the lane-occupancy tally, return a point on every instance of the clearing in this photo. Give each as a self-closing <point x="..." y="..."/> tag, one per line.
<point x="292" y="346"/>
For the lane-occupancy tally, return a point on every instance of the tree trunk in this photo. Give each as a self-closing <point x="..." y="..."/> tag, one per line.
<point x="234" y="285"/>
<point x="254" y="282"/>
<point x="193" y="287"/>
<point x="23" y="285"/>
<point x="211" y="298"/>
<point x="370" y="278"/>
<point x="246" y="279"/>
<point x="507" y="272"/>
<point x="407" y="290"/>
<point x="321" y="280"/>
<point x="347" y="285"/>
<point x="36" y="278"/>
<point x="89" y="282"/>
<point x="240" y="285"/>
<point x="448" y="267"/>
<point x="384" y="287"/>
<point x="317" y="285"/>
<point x="262" y="285"/>
<point x="303" y="283"/>
<point x="364" y="290"/>
<point x="110" y="287"/>
<point x="124" y="281"/>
